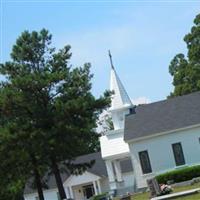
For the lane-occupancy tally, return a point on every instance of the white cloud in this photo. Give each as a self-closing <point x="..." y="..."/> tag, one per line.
<point x="141" y="100"/>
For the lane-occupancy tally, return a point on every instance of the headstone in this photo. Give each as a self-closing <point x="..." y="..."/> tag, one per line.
<point x="153" y="187"/>
<point x="169" y="182"/>
<point x="126" y="197"/>
<point x="112" y="193"/>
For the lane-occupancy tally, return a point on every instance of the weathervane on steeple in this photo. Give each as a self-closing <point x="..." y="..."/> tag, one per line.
<point x="111" y="62"/>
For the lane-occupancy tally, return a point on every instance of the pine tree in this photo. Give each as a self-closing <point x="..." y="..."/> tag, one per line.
<point x="47" y="106"/>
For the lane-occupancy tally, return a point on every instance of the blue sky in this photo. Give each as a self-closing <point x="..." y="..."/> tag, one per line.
<point x="143" y="37"/>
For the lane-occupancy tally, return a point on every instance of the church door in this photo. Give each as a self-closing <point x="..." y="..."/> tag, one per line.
<point x="88" y="191"/>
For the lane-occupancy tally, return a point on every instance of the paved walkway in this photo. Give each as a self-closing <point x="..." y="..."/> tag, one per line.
<point x="177" y="194"/>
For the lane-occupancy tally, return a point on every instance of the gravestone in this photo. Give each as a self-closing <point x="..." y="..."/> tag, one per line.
<point x="153" y="187"/>
<point x="126" y="197"/>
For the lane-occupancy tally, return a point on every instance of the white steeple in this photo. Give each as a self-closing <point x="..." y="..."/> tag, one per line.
<point x="121" y="102"/>
<point x="120" y="98"/>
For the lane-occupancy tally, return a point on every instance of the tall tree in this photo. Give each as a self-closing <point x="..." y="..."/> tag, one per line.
<point x="48" y="106"/>
<point x="186" y="70"/>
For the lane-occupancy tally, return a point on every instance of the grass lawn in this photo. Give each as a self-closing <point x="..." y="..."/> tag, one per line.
<point x="145" y="196"/>
<point x="190" y="197"/>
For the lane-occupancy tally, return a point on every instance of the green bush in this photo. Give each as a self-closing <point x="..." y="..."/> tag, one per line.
<point x="179" y="175"/>
<point x="100" y="196"/>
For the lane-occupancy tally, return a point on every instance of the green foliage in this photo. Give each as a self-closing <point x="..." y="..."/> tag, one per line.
<point x="100" y="196"/>
<point x="13" y="169"/>
<point x="179" y="175"/>
<point x="48" y="113"/>
<point x="109" y="123"/>
<point x="186" y="70"/>
<point x="105" y="122"/>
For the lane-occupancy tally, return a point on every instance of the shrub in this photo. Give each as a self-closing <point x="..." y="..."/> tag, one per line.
<point x="100" y="196"/>
<point x="179" y="175"/>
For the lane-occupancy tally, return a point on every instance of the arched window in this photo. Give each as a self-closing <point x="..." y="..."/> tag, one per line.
<point x="145" y="162"/>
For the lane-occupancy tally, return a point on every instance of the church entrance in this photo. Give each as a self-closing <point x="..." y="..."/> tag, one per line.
<point x="88" y="191"/>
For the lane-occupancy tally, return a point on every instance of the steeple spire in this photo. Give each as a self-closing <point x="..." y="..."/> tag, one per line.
<point x="120" y="97"/>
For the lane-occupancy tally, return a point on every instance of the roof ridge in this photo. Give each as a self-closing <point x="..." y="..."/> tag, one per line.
<point x="171" y="99"/>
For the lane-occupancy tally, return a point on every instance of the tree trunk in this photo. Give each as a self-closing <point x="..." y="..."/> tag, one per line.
<point x="59" y="182"/>
<point x="38" y="181"/>
<point x="39" y="184"/>
<point x="21" y="195"/>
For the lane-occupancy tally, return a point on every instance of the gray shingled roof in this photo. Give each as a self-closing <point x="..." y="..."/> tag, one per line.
<point x="98" y="168"/>
<point x="162" y="116"/>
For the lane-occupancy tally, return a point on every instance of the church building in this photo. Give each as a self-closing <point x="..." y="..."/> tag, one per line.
<point x="147" y="140"/>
